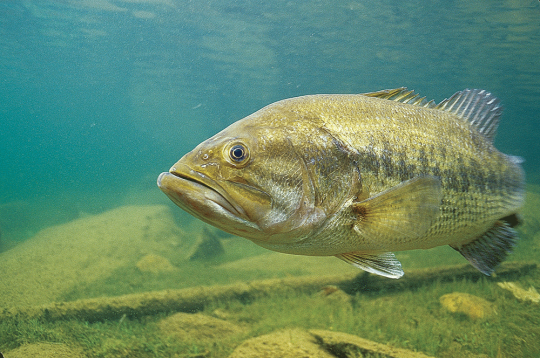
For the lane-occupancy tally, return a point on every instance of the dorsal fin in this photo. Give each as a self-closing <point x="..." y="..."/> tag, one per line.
<point x="479" y="107"/>
<point x="402" y="95"/>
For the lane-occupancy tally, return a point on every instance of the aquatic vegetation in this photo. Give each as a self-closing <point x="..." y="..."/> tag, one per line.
<point x="47" y="350"/>
<point x="412" y="319"/>
<point x="404" y="313"/>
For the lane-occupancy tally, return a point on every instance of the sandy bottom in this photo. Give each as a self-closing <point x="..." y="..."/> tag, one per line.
<point x="83" y="251"/>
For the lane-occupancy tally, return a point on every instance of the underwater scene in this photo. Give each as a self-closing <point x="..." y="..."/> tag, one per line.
<point x="264" y="249"/>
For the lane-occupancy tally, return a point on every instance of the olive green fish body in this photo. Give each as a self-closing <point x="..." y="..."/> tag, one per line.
<point x="393" y="142"/>
<point x="360" y="176"/>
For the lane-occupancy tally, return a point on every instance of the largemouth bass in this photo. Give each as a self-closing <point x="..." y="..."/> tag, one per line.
<point x="358" y="177"/>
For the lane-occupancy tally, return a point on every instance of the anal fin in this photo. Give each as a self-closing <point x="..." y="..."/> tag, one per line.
<point x="489" y="250"/>
<point x="384" y="264"/>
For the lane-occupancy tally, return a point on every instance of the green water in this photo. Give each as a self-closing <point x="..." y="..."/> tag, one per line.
<point x="98" y="97"/>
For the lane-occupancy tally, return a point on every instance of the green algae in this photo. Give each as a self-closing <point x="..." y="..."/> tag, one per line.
<point x="395" y="312"/>
<point x="406" y="318"/>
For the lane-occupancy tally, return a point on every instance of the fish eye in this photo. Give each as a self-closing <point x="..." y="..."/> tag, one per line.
<point x="238" y="153"/>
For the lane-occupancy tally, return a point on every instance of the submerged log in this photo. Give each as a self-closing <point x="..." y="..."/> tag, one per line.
<point x="196" y="298"/>
<point x="416" y="278"/>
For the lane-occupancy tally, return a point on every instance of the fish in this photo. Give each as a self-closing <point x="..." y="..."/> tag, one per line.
<point x="359" y="177"/>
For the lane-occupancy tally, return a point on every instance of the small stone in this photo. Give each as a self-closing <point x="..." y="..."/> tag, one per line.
<point x="290" y="343"/>
<point x="523" y="295"/>
<point x="472" y="306"/>
<point x="154" y="264"/>
<point x="335" y="294"/>
<point x="328" y="290"/>
<point x="221" y="314"/>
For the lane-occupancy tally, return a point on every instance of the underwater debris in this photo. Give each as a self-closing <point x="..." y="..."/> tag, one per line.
<point x="521" y="294"/>
<point x="154" y="264"/>
<point x="328" y="290"/>
<point x="207" y="246"/>
<point x="472" y="306"/>
<point x="182" y="300"/>
<point x="196" y="298"/>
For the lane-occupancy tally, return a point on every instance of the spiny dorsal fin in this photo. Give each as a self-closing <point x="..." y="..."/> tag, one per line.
<point x="479" y="107"/>
<point x="402" y="95"/>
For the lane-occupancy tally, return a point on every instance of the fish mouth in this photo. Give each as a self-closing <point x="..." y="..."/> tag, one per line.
<point x="199" y="195"/>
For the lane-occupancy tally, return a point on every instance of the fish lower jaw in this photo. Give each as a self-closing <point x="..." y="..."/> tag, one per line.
<point x="206" y="204"/>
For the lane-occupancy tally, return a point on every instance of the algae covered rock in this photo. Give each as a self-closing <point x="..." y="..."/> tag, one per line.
<point x="472" y="306"/>
<point x="335" y="295"/>
<point x="154" y="264"/>
<point x="351" y="346"/>
<point x="45" y="350"/>
<point x="290" y="343"/>
<point x="293" y="343"/>
<point x="82" y="251"/>
<point x="197" y="327"/>
<point x="521" y="294"/>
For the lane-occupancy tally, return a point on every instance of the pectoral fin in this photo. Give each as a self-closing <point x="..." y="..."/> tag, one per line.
<point x="403" y="212"/>
<point x="384" y="264"/>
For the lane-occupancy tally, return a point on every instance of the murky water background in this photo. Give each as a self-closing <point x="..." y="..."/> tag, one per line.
<point x="97" y="97"/>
